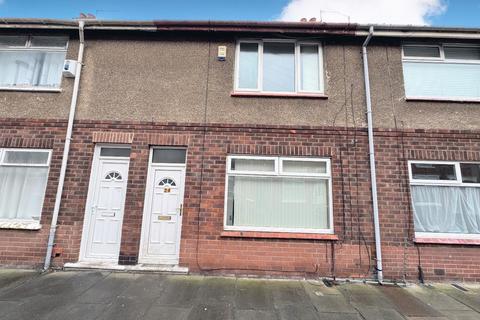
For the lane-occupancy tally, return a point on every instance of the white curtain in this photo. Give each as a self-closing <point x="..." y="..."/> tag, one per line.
<point x="31" y="68"/>
<point x="22" y="191"/>
<point x="446" y="209"/>
<point x="278" y="202"/>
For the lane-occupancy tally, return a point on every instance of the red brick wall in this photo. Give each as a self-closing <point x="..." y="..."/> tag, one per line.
<point x="204" y="249"/>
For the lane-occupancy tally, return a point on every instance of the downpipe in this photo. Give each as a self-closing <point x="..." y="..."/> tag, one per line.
<point x="371" y="150"/>
<point x="66" y="149"/>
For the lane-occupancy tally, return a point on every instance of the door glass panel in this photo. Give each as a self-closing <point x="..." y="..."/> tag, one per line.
<point x="115" y="152"/>
<point x="430" y="171"/>
<point x="169" y="155"/>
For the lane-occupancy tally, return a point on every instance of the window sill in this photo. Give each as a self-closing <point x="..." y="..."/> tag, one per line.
<point x="31" y="89"/>
<point x="20" y="225"/>
<point x="435" y="99"/>
<point x="278" y="235"/>
<point x="247" y="94"/>
<point x="438" y="240"/>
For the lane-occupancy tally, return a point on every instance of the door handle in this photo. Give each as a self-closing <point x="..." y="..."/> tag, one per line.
<point x="181" y="209"/>
<point x="93" y="209"/>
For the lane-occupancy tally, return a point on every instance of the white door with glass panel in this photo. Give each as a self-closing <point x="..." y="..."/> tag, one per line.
<point x="162" y="219"/>
<point x="105" y="204"/>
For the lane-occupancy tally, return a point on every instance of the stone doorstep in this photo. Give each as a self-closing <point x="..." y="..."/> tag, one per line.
<point x="123" y="268"/>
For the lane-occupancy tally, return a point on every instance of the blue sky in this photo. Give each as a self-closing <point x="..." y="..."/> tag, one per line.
<point x="436" y="12"/>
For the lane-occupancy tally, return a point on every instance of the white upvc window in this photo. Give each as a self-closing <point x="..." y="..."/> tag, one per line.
<point x="445" y="198"/>
<point x="445" y="71"/>
<point x="278" y="194"/>
<point x="23" y="181"/>
<point x="31" y="62"/>
<point x="279" y="66"/>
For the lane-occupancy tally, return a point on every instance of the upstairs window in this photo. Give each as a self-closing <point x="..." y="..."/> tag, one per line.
<point x="279" y="67"/>
<point x="443" y="71"/>
<point x="446" y="198"/>
<point x="31" y="61"/>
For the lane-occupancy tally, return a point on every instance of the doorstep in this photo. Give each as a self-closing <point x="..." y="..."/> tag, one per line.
<point x="116" y="267"/>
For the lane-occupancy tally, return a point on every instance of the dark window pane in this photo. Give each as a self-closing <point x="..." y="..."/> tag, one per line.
<point x="248" y="66"/>
<point x="470" y="172"/>
<point x="13" y="41"/>
<point x="166" y="155"/>
<point x="115" y="152"/>
<point x="462" y="53"/>
<point x="429" y="171"/>
<point x="421" y="51"/>
<point x="46" y="41"/>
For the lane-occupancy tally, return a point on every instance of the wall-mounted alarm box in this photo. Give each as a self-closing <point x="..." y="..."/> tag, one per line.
<point x="69" y="68"/>
<point x="222" y="53"/>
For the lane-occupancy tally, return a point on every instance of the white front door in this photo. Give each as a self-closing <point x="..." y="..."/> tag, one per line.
<point x="105" y="206"/>
<point x="162" y="217"/>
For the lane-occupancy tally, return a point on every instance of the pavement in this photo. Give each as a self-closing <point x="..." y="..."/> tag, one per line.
<point x="113" y="295"/>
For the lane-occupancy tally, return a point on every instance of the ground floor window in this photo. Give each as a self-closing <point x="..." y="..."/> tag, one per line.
<point x="446" y="197"/>
<point x="23" y="180"/>
<point x="278" y="194"/>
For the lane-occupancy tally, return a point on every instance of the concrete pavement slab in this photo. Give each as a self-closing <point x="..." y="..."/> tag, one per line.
<point x="180" y="291"/>
<point x="108" y="288"/>
<point x="375" y="313"/>
<point x="217" y="290"/>
<point x="254" y="315"/>
<point x="297" y="312"/>
<point x="211" y="312"/>
<point x="332" y="301"/>
<point x="436" y="299"/>
<point x="469" y="298"/>
<point x="253" y="295"/>
<point x="461" y="315"/>
<point x="406" y="303"/>
<point x="339" y="316"/>
<point x="12" y="277"/>
<point x="167" y="313"/>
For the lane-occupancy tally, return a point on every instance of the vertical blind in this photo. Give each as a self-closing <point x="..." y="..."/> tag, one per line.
<point x="285" y="193"/>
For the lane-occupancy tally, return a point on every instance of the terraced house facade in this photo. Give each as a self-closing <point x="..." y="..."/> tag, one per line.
<point x="241" y="147"/>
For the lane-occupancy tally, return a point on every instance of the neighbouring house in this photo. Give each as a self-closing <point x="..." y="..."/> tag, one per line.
<point x="241" y="147"/>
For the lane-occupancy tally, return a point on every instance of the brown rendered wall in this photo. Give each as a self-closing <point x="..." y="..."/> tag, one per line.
<point x="165" y="79"/>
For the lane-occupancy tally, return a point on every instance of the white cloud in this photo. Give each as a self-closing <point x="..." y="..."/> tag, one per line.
<point x="401" y="12"/>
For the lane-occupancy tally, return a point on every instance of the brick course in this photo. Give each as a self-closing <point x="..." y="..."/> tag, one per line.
<point x="203" y="247"/>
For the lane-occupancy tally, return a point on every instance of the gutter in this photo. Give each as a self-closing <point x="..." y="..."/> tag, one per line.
<point x="371" y="150"/>
<point x="66" y="149"/>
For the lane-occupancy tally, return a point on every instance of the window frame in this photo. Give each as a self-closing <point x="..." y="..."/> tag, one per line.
<point x="297" y="76"/>
<point x="278" y="173"/>
<point x="446" y="183"/>
<point x="25" y="223"/>
<point x="440" y="60"/>
<point x="29" y="48"/>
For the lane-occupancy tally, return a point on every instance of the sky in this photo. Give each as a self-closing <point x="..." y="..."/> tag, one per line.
<point x="460" y="13"/>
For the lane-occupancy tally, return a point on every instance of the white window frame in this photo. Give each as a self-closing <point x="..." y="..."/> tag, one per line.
<point x="279" y="173"/>
<point x="28" y="47"/>
<point x="440" y="60"/>
<point x="448" y="183"/>
<point x="298" y="77"/>
<point x="25" y="223"/>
